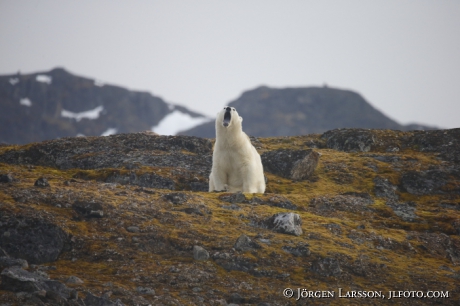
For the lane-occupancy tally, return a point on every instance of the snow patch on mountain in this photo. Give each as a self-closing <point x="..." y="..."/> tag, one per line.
<point x="177" y="121"/>
<point x="110" y="131"/>
<point x="90" y="114"/>
<point x="25" y="102"/>
<point x="43" y="78"/>
<point x="14" y="81"/>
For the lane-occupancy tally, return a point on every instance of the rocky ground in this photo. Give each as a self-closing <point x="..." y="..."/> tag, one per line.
<point x="126" y="220"/>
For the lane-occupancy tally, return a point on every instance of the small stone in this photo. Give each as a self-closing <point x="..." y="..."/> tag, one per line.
<point x="200" y="253"/>
<point x="176" y="198"/>
<point x="133" y="229"/>
<point x="266" y="241"/>
<point x="42" y="182"/>
<point x="74" y="280"/>
<point x="146" y="290"/>
<point x="244" y="243"/>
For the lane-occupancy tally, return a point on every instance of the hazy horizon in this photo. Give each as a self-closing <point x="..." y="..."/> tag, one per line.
<point x="401" y="56"/>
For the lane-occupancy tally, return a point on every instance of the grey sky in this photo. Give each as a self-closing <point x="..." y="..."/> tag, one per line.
<point x="403" y="56"/>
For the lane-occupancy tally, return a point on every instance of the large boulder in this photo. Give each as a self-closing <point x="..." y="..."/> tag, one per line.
<point x="286" y="223"/>
<point x="291" y="164"/>
<point x="435" y="181"/>
<point x="18" y="280"/>
<point x="33" y="239"/>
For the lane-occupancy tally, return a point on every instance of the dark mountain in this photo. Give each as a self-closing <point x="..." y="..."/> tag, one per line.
<point x="54" y="104"/>
<point x="299" y="111"/>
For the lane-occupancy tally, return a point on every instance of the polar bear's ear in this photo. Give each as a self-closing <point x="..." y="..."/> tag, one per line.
<point x="241" y="119"/>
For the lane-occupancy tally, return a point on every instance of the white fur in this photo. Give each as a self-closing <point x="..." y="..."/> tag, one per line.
<point x="236" y="165"/>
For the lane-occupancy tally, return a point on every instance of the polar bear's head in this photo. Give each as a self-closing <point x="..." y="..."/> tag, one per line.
<point x="228" y="118"/>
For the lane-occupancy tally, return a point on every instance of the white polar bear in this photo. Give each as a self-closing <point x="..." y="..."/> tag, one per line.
<point x="236" y="165"/>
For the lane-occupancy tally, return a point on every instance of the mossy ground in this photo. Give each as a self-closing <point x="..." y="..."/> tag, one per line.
<point x="108" y="258"/>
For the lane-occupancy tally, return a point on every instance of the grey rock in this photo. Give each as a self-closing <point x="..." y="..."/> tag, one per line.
<point x="18" y="280"/>
<point x="133" y="229"/>
<point x="137" y="148"/>
<point x="42" y="182"/>
<point x="32" y="239"/>
<point x="444" y="142"/>
<point x="6" y="262"/>
<point x="145" y="290"/>
<point x="236" y="298"/>
<point x="326" y="267"/>
<point x="405" y="211"/>
<point x="74" y="280"/>
<point x="232" y="263"/>
<point x="383" y="188"/>
<point x="89" y="209"/>
<point x="291" y="164"/>
<point x="244" y="243"/>
<point x="199" y="253"/>
<point x="286" y="223"/>
<point x="430" y="181"/>
<point x="6" y="178"/>
<point x="237" y="197"/>
<point x="266" y="241"/>
<point x="175" y="197"/>
<point x="298" y="251"/>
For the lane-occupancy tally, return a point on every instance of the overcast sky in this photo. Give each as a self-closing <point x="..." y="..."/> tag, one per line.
<point x="403" y="56"/>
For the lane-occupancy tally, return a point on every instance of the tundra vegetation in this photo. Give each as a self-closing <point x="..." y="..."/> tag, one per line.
<point x="127" y="220"/>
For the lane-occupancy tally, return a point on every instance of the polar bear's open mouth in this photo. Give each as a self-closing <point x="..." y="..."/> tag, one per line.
<point x="227" y="118"/>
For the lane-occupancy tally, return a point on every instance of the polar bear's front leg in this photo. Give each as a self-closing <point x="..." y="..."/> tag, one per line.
<point x="253" y="179"/>
<point x="249" y="182"/>
<point x="217" y="182"/>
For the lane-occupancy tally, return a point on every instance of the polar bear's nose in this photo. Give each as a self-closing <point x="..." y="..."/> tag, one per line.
<point x="228" y="109"/>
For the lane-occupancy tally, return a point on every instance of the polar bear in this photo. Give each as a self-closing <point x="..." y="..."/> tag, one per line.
<point x="236" y="165"/>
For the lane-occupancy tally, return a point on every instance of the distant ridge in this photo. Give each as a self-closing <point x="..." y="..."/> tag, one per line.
<point x="297" y="111"/>
<point x="56" y="103"/>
